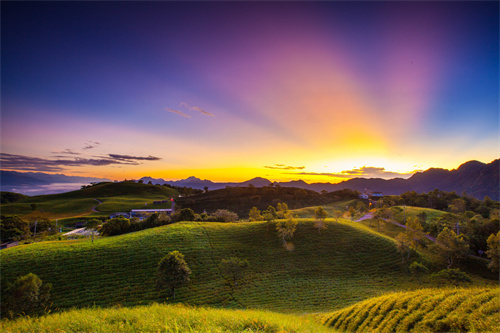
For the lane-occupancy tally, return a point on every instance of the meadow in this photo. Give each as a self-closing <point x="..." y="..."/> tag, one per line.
<point x="347" y="263"/>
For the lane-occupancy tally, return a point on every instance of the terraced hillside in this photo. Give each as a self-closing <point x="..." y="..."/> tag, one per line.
<point x="113" y="197"/>
<point x="428" y="310"/>
<point x="347" y="263"/>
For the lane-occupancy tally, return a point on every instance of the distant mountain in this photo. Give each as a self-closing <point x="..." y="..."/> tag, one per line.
<point x="475" y="178"/>
<point x="38" y="183"/>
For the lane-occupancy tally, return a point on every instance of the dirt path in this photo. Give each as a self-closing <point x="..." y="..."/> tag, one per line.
<point x="94" y="209"/>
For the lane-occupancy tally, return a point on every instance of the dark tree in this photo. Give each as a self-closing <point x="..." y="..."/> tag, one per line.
<point x="173" y="272"/>
<point x="233" y="268"/>
<point x="28" y="295"/>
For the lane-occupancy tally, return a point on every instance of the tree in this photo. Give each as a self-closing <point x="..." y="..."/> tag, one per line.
<point x="13" y="228"/>
<point x="320" y="215"/>
<point x="233" y="268"/>
<point x="450" y="246"/>
<point x="493" y="251"/>
<point x="281" y="210"/>
<point x="224" y="215"/>
<point x="337" y="214"/>
<point x="172" y="272"/>
<point x="269" y="215"/>
<point x="417" y="269"/>
<point x="255" y="215"/>
<point x="186" y="214"/>
<point x="92" y="226"/>
<point x="285" y="229"/>
<point x="28" y="295"/>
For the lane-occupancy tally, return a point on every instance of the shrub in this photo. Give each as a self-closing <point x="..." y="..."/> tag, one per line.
<point x="453" y="275"/>
<point x="224" y="215"/>
<point x="28" y="295"/>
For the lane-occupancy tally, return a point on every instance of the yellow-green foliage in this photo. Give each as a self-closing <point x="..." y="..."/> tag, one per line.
<point x="347" y="263"/>
<point x="164" y="318"/>
<point x="427" y="310"/>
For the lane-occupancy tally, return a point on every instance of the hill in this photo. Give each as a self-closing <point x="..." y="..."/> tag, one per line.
<point x="347" y="263"/>
<point x="113" y="197"/>
<point x="428" y="310"/>
<point x="242" y="199"/>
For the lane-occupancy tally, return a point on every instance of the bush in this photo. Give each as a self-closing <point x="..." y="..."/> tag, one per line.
<point x="26" y="296"/>
<point x="453" y="275"/>
<point x="223" y="215"/>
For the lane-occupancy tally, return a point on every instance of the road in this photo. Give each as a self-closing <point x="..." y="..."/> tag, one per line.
<point x="94" y="209"/>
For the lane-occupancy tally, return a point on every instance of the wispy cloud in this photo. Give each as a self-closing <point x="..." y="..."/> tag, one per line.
<point x="31" y="163"/>
<point x="364" y="172"/>
<point x="196" y="108"/>
<point x="134" y="158"/>
<point x="66" y="152"/>
<point x="178" y="112"/>
<point x="284" y="167"/>
<point x="91" y="145"/>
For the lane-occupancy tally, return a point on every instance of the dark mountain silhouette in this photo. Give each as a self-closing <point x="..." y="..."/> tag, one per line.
<point x="475" y="178"/>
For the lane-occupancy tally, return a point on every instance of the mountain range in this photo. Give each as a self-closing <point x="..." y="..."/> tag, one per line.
<point x="475" y="178"/>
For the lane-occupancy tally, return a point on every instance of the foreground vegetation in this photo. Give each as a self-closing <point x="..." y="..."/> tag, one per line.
<point x="165" y="318"/>
<point x="428" y="310"/>
<point x="344" y="264"/>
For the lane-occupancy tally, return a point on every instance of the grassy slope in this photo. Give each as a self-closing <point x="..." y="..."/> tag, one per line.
<point x="347" y="263"/>
<point x="165" y="318"/>
<point x="427" y="310"/>
<point x="114" y="197"/>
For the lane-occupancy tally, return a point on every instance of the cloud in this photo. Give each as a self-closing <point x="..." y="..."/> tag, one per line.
<point x="196" y="108"/>
<point x="284" y="167"/>
<point x="135" y="158"/>
<point x="376" y="172"/>
<point x="31" y="163"/>
<point x="66" y="151"/>
<point x="336" y="175"/>
<point x="91" y="144"/>
<point x="364" y="172"/>
<point x="178" y="112"/>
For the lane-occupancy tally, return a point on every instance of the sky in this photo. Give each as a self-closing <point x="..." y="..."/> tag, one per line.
<point x="228" y="91"/>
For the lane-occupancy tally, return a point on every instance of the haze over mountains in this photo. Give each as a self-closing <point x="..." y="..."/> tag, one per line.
<point x="475" y="178"/>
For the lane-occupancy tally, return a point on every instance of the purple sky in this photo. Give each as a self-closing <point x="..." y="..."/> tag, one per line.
<point x="223" y="90"/>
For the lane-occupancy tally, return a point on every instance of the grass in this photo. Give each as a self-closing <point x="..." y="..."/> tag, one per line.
<point x="426" y="310"/>
<point x="115" y="197"/>
<point x="165" y="318"/>
<point x="347" y="263"/>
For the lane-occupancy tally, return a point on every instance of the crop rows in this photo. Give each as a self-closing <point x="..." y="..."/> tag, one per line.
<point x="427" y="310"/>
<point x="345" y="264"/>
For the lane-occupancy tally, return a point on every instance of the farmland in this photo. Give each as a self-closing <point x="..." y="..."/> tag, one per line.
<point x="427" y="310"/>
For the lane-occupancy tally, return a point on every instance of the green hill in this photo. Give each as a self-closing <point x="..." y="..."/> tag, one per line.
<point x="114" y="197"/>
<point x="347" y="263"/>
<point x="427" y="310"/>
<point x="241" y="199"/>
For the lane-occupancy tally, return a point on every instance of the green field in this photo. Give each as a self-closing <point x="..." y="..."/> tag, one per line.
<point x="115" y="197"/>
<point x="427" y="310"/>
<point x="346" y="264"/>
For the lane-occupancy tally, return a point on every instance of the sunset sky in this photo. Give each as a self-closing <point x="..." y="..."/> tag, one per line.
<point x="228" y="91"/>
